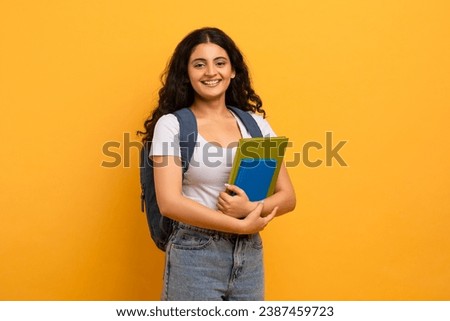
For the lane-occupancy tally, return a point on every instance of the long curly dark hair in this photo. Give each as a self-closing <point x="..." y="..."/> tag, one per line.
<point x="177" y="91"/>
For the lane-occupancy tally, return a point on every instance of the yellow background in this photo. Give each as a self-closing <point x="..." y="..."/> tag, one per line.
<point x="76" y="74"/>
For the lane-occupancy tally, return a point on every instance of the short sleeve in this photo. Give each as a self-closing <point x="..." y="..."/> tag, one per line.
<point x="264" y="125"/>
<point x="166" y="140"/>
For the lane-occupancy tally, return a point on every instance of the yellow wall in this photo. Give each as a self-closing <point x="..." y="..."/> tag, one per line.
<point x="77" y="74"/>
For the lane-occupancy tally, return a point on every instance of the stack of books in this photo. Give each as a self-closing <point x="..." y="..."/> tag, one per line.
<point x="257" y="164"/>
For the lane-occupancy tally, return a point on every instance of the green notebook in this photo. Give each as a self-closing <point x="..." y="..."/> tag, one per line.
<point x="256" y="165"/>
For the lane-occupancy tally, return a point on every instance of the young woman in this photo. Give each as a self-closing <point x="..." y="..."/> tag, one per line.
<point x="215" y="252"/>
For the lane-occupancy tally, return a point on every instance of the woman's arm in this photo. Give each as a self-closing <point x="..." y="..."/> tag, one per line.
<point x="283" y="196"/>
<point x="168" y="184"/>
<point x="239" y="204"/>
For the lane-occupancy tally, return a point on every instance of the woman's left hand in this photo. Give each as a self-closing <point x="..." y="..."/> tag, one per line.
<point x="238" y="206"/>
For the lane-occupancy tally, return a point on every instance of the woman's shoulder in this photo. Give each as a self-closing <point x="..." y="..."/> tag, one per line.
<point x="257" y="117"/>
<point x="168" y="121"/>
<point x="263" y="124"/>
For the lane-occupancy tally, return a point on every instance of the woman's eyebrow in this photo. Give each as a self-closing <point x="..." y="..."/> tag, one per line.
<point x="203" y="59"/>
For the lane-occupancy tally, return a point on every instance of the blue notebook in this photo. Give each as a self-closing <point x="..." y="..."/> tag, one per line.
<point x="254" y="177"/>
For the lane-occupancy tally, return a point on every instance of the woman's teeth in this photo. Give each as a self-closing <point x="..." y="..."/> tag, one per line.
<point x="210" y="82"/>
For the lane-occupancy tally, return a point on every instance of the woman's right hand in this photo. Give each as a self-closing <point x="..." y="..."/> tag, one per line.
<point x="254" y="222"/>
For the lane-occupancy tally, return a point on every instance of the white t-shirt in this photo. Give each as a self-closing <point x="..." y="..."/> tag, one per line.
<point x="210" y="165"/>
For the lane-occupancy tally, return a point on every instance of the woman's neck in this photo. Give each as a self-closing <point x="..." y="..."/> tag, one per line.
<point x="211" y="109"/>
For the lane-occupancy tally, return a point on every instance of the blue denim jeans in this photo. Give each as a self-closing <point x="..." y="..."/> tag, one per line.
<point x="207" y="265"/>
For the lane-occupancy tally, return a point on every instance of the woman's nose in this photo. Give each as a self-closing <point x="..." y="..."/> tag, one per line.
<point x="210" y="69"/>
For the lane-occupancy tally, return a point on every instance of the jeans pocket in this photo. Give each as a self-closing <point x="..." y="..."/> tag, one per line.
<point x="257" y="241"/>
<point x="186" y="239"/>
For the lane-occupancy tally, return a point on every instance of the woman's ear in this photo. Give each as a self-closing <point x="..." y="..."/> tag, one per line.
<point x="233" y="74"/>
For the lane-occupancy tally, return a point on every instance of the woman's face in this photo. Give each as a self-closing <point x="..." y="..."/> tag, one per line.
<point x="210" y="71"/>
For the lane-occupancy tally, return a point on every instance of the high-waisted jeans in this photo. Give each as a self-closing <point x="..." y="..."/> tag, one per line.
<point x="208" y="265"/>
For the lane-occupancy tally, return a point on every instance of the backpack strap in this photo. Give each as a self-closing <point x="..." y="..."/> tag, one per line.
<point x="248" y="121"/>
<point x="188" y="135"/>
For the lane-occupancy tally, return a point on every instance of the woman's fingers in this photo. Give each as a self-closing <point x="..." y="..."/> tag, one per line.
<point x="235" y="189"/>
<point x="257" y="211"/>
<point x="271" y="215"/>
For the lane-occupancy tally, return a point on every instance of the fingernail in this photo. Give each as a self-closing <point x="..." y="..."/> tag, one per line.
<point x="262" y="201"/>
<point x="227" y="184"/>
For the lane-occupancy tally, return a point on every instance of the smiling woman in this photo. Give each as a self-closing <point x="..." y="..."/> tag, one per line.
<point x="215" y="251"/>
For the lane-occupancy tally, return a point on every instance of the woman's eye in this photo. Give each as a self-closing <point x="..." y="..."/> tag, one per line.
<point x="199" y="65"/>
<point x="221" y="63"/>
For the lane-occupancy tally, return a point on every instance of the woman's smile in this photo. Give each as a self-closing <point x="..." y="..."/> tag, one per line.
<point x="211" y="83"/>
